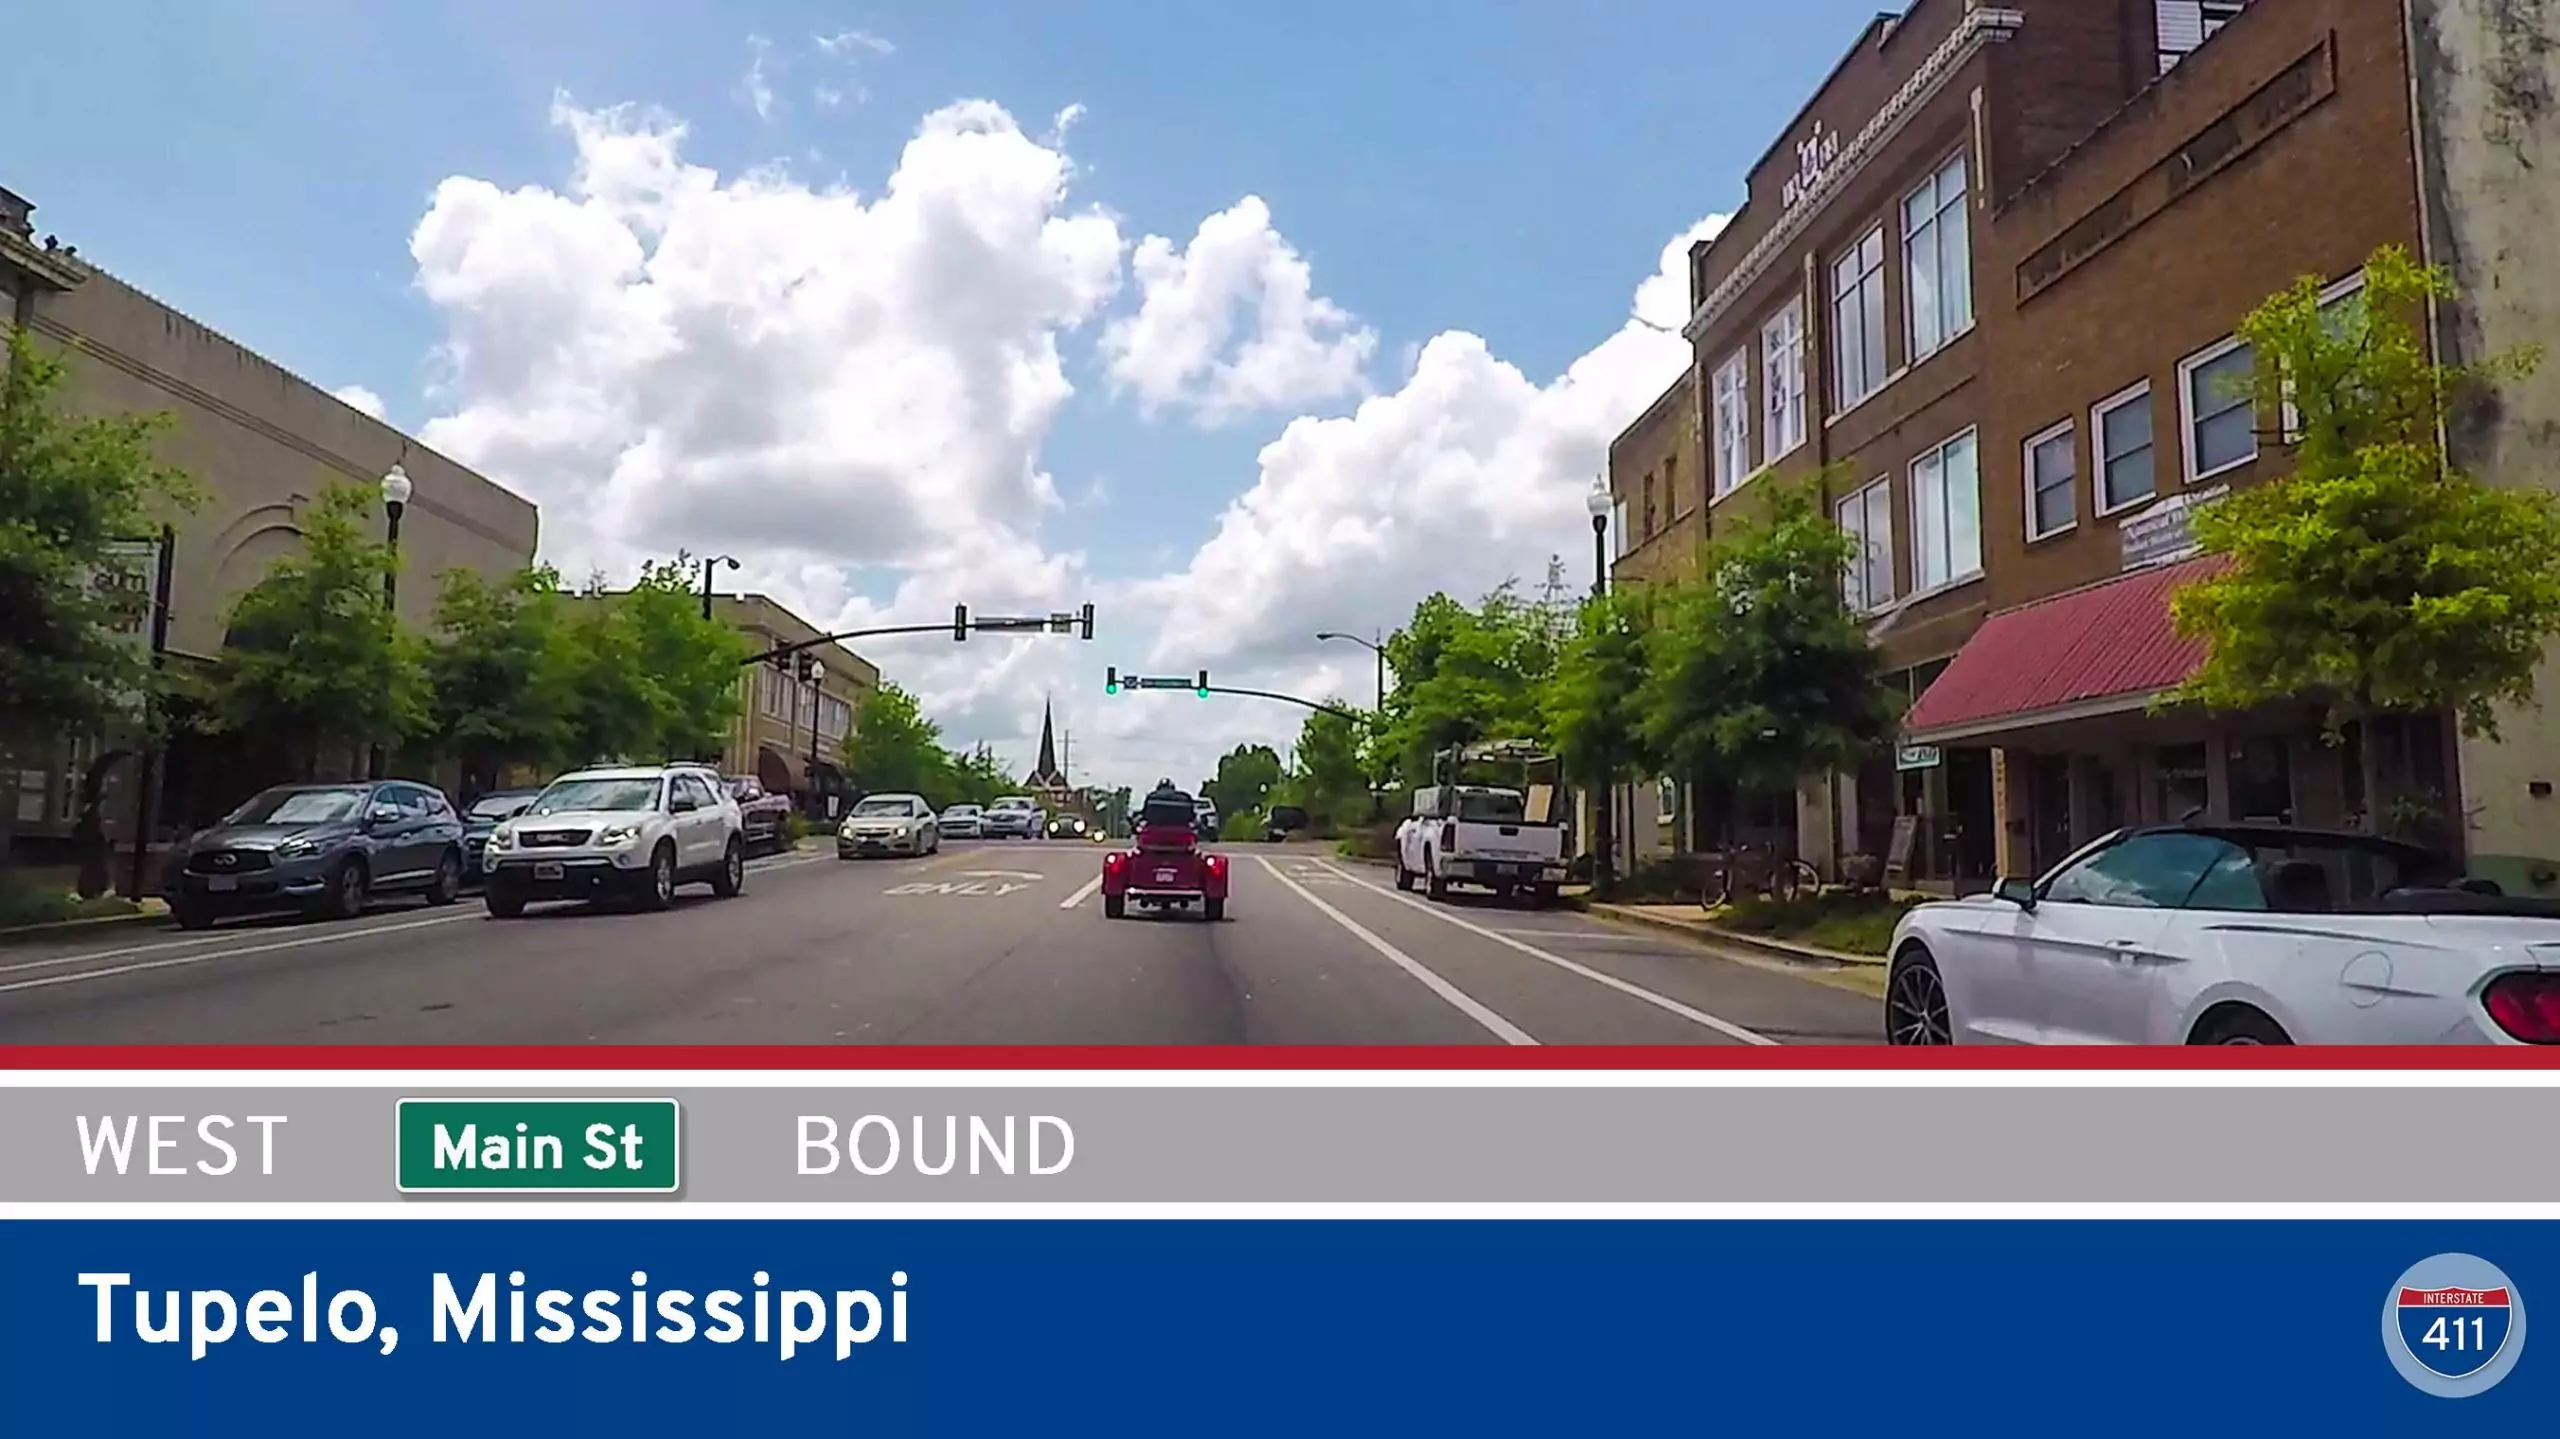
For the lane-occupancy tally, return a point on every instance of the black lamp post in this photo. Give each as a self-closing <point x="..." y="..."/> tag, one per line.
<point x="1375" y="647"/>
<point x="708" y="566"/>
<point x="817" y="718"/>
<point x="1604" y="804"/>
<point x="396" y="490"/>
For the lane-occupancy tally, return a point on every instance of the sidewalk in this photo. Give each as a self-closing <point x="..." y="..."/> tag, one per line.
<point x="1689" y="920"/>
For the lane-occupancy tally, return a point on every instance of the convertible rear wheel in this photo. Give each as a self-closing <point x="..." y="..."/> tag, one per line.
<point x="1915" y="1000"/>
<point x="2240" y="1025"/>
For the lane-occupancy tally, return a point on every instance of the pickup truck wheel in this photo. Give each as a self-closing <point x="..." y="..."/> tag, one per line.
<point x="1433" y="886"/>
<point x="1543" y="896"/>
<point x="1404" y="876"/>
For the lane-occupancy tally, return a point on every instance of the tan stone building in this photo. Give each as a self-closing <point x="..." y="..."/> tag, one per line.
<point x="260" y="442"/>
<point x="782" y="719"/>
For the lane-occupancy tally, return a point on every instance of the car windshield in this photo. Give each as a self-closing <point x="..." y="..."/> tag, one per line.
<point x="499" y="806"/>
<point x="882" y="806"/>
<point x="299" y="806"/>
<point x="1491" y="806"/>
<point x="961" y="811"/>
<point x="2314" y="874"/>
<point x="1013" y="804"/>
<point x="743" y="788"/>
<point x="598" y="794"/>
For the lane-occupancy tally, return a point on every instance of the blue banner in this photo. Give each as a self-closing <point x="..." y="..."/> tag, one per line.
<point x="1233" y="1327"/>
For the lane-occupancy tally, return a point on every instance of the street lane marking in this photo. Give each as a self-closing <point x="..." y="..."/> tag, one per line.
<point x="1082" y="894"/>
<point x="358" y="930"/>
<point x="1725" y="1027"/>
<point x="976" y="887"/>
<point x="1001" y="874"/>
<point x="1458" y="999"/>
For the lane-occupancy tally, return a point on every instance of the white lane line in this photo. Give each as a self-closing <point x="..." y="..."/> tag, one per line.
<point x="1458" y="999"/>
<point x="1700" y="1017"/>
<point x="359" y="930"/>
<point x="1082" y="894"/>
<point x="239" y="953"/>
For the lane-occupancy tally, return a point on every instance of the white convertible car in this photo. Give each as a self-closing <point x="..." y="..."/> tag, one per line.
<point x="2231" y="934"/>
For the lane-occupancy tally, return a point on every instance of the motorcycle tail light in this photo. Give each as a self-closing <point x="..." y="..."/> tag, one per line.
<point x="1113" y="860"/>
<point x="1217" y="863"/>
<point x="2526" y="1005"/>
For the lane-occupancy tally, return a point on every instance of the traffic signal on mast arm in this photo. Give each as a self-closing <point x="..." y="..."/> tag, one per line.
<point x="1111" y="680"/>
<point x="959" y="622"/>
<point x="1203" y="690"/>
<point x="1088" y="619"/>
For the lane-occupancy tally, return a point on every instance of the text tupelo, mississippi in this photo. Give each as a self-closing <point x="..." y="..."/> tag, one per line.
<point x="491" y="1309"/>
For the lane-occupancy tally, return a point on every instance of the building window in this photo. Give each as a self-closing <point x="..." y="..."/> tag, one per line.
<point x="1937" y="255"/>
<point x="2121" y="431"/>
<point x="2341" y="313"/>
<point x="1618" y="527"/>
<point x="2216" y="393"/>
<point x="1650" y="525"/>
<point x="1671" y="485"/>
<point x="1782" y="380"/>
<point x="2053" y="481"/>
<point x="1946" y="513"/>
<point x="1867" y="519"/>
<point x="2186" y="24"/>
<point x="1857" y="320"/>
<point x="1733" y="424"/>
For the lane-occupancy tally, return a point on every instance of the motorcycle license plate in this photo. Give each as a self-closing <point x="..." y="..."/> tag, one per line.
<point x="548" y="871"/>
<point x="221" y="884"/>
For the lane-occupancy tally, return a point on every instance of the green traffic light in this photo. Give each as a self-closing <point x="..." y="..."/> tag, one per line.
<point x="1111" y="688"/>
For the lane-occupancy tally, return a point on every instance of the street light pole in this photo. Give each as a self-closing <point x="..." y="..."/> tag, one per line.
<point x="396" y="490"/>
<point x="817" y="715"/>
<point x="1604" y="803"/>
<point x="708" y="566"/>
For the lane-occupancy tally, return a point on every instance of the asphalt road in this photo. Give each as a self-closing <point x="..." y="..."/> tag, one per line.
<point x="995" y="943"/>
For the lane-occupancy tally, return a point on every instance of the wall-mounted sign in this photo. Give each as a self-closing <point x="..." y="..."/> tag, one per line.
<point x="2164" y="534"/>
<point x="1918" y="756"/>
<point x="1814" y="154"/>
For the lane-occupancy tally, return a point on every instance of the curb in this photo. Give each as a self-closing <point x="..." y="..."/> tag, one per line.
<point x="153" y="912"/>
<point x="1799" y="954"/>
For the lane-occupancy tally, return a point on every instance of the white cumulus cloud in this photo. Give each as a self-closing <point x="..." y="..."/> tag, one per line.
<point x="1230" y="323"/>
<point x="359" y="399"/>
<point x="1470" y="474"/>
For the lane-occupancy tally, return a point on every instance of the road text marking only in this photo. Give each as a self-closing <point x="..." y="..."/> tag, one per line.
<point x="1458" y="999"/>
<point x="1725" y="1027"/>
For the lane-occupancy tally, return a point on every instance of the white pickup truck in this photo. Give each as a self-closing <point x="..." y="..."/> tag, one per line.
<point x="1480" y="835"/>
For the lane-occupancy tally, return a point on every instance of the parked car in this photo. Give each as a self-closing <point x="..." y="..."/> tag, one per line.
<point x="1012" y="817"/>
<point x="960" y="821"/>
<point x="1166" y="868"/>
<point x="623" y="833"/>
<point x="480" y="818"/>
<point x="889" y="824"/>
<point x="1204" y="819"/>
<point x="1285" y="821"/>
<point x="2231" y="934"/>
<point x="321" y="848"/>
<point x="765" y="815"/>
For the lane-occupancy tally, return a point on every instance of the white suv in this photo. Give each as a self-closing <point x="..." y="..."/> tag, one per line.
<point x="632" y="833"/>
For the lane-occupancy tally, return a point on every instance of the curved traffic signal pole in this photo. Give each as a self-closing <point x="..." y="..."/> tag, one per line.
<point x="1078" y="623"/>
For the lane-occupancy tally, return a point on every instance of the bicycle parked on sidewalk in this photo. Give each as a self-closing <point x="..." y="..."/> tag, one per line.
<point x="1728" y="875"/>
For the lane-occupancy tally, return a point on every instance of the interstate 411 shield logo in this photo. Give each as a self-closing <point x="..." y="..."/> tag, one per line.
<point x="2454" y="1325"/>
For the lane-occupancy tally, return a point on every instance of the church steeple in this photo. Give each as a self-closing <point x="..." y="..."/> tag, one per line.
<point x="1044" y="775"/>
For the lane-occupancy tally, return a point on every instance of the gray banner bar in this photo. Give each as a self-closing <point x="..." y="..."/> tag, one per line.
<point x="1366" y="1145"/>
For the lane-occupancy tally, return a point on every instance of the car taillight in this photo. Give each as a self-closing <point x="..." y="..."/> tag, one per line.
<point x="2526" y="1005"/>
<point x="1449" y="835"/>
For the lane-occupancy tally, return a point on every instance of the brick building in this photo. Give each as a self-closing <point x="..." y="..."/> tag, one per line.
<point x="1657" y="480"/>
<point x="1984" y="286"/>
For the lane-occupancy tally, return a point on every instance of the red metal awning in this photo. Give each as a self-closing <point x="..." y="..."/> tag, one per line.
<point x="2108" y="646"/>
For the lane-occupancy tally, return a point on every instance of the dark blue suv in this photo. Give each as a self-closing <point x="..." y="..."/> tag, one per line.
<point x="323" y="849"/>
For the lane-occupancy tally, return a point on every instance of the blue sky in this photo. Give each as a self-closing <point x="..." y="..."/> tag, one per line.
<point x="1498" y="167"/>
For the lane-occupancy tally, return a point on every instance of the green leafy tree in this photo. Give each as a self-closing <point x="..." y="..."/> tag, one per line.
<point x="70" y="488"/>
<point x="691" y="663"/>
<point x="503" y="674"/>
<point x="1595" y="699"/>
<point x="2373" y="577"/>
<point x="315" y="664"/>
<point x="1330" y="777"/>
<point x="1468" y="674"/>
<point x="1759" y="672"/>
<point x="613" y="706"/>
<point x="893" y="747"/>
<point x="1246" y="777"/>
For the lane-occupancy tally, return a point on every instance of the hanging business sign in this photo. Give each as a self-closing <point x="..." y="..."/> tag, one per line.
<point x="1918" y="756"/>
